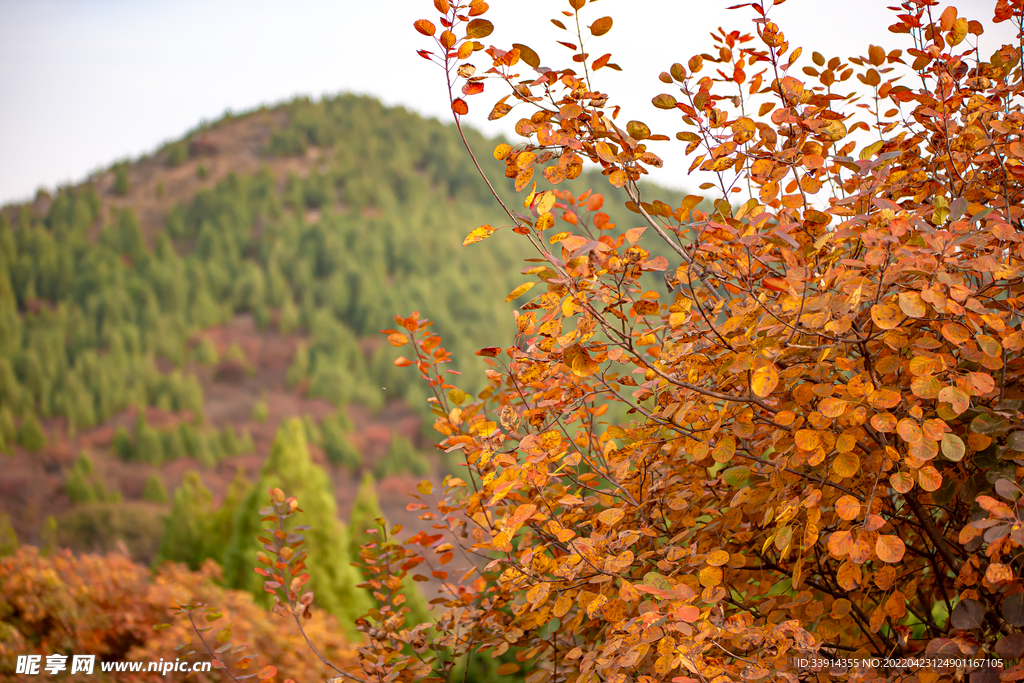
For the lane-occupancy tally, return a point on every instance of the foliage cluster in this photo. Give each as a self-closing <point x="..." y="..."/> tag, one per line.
<point x="109" y="606"/>
<point x="823" y="454"/>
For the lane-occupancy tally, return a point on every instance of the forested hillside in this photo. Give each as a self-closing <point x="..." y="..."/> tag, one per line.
<point x="160" y="323"/>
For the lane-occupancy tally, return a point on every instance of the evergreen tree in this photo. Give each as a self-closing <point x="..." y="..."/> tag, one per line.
<point x="402" y="457"/>
<point x="224" y="519"/>
<point x="30" y="434"/>
<point x="79" y="483"/>
<point x="187" y="530"/>
<point x="340" y="450"/>
<point x="289" y="320"/>
<point x="260" y="411"/>
<point x="154" y="492"/>
<point x="333" y="578"/>
<point x="122" y="444"/>
<point x="149" y="446"/>
<point x="121" y="179"/>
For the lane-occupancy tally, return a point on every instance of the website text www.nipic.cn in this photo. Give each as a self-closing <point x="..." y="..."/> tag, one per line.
<point x="30" y="665"/>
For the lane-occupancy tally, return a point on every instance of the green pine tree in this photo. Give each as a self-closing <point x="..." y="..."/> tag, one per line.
<point x="187" y="530"/>
<point x="79" y="484"/>
<point x="154" y="492"/>
<point x="224" y="519"/>
<point x="333" y="578"/>
<point x="149" y="446"/>
<point x="30" y="434"/>
<point x="122" y="444"/>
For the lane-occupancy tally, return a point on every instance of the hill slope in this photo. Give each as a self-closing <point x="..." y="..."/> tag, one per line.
<point x="168" y="314"/>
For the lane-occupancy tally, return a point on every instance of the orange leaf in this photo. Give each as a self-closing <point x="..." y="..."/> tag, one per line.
<point x="611" y="516"/>
<point x="846" y="464"/>
<point x="912" y="304"/>
<point x="765" y="378"/>
<point x="887" y="316"/>
<point x="847" y="507"/>
<point x="929" y="478"/>
<point x="601" y="26"/>
<point x="890" y="549"/>
<point x="460" y="107"/>
<point x="424" y="27"/>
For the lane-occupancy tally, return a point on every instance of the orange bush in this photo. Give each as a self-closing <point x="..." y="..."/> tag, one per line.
<point x="810" y="447"/>
<point x="108" y="606"/>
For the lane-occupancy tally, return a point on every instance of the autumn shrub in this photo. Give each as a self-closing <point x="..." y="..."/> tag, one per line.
<point x="821" y="454"/>
<point x="109" y="606"/>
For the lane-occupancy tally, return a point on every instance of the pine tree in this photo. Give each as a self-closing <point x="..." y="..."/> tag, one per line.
<point x="122" y="444"/>
<point x="154" y="492"/>
<point x="121" y="179"/>
<point x="402" y="457"/>
<point x="186" y="536"/>
<point x="30" y="434"/>
<point x="340" y="450"/>
<point x="333" y="578"/>
<point x="149" y="446"/>
<point x="79" y="484"/>
<point x="224" y="519"/>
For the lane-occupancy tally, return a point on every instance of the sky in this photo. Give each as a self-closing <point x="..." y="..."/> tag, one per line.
<point x="84" y="83"/>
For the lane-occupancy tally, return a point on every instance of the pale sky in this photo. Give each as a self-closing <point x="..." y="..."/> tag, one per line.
<point x="84" y="83"/>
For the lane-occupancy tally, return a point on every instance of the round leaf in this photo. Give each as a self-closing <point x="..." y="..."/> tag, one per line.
<point x="887" y="315"/>
<point x="890" y="549"/>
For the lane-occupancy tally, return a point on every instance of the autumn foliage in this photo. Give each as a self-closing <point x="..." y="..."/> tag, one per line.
<point x="821" y="450"/>
<point x="112" y="607"/>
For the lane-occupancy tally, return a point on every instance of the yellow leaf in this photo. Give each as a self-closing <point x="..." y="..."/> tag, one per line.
<point x="912" y="304"/>
<point x="595" y="606"/>
<point x="502" y="151"/>
<point x="710" y="576"/>
<point x="611" y="516"/>
<point x="764" y="379"/>
<point x="562" y="606"/>
<point x="545" y="202"/>
<point x="478" y="235"/>
<point x="544" y="222"/>
<point x="519" y="291"/>
<point x="846" y="464"/>
<point x="717" y="558"/>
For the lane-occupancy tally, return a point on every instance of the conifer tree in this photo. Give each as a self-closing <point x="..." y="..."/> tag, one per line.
<point x="186" y="536"/>
<point x="155" y="491"/>
<point x="79" y="483"/>
<point x="149" y="446"/>
<point x="290" y="468"/>
<point x="30" y="434"/>
<point x="223" y="525"/>
<point x="122" y="444"/>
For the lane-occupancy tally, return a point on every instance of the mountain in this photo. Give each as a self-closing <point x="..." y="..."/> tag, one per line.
<point x="170" y="313"/>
